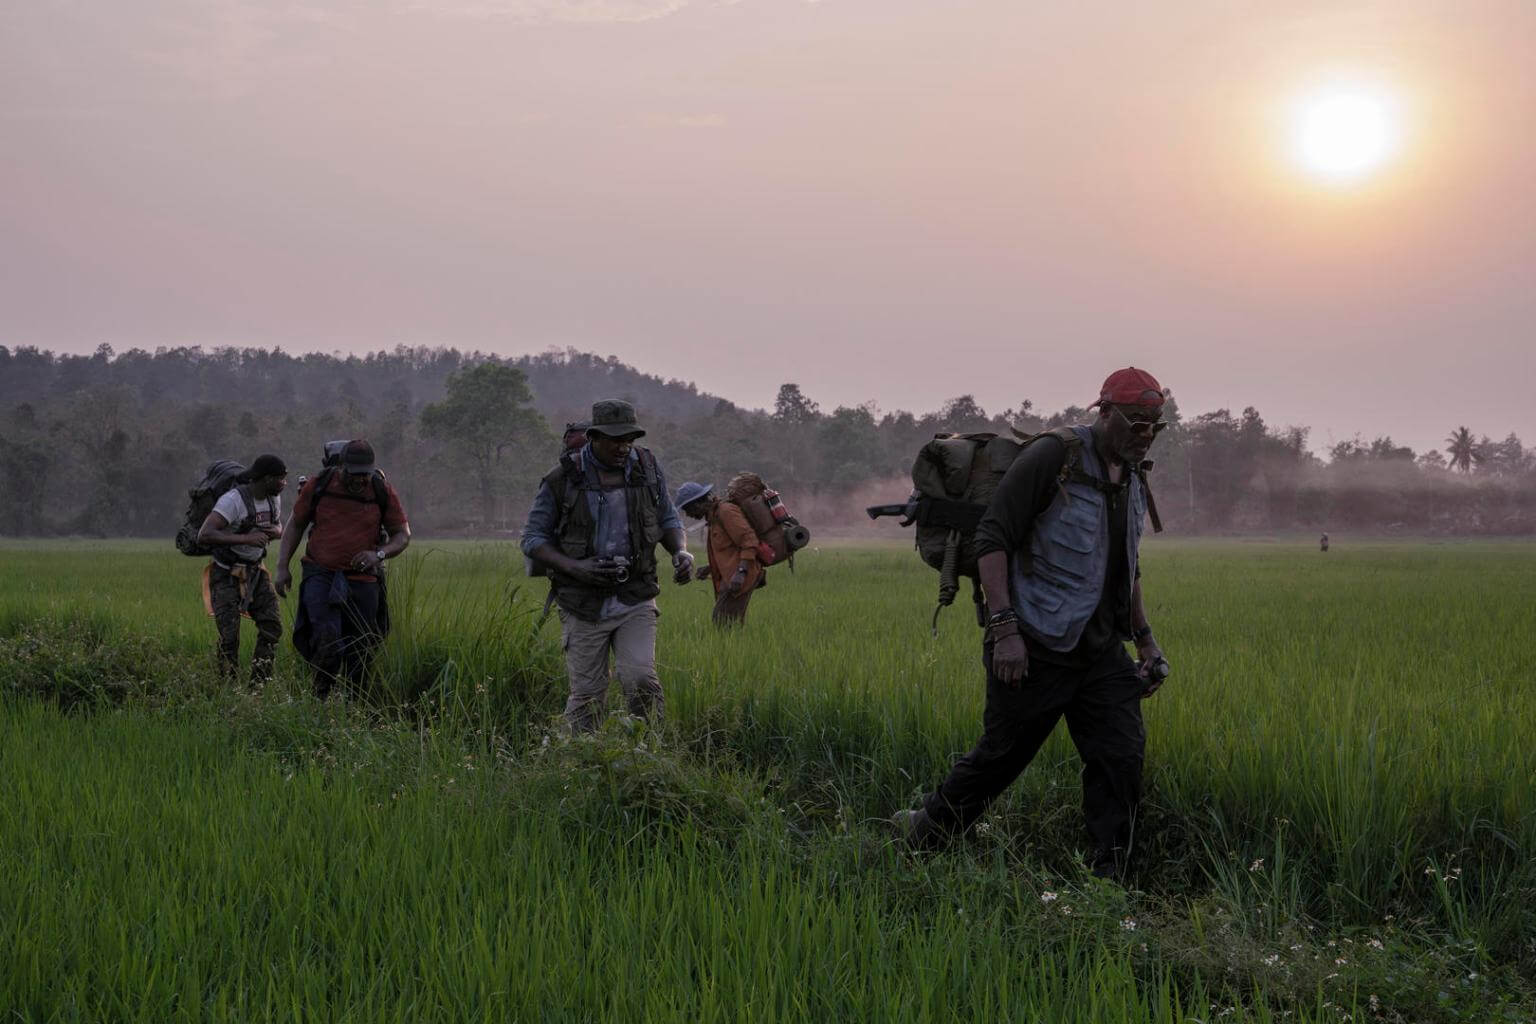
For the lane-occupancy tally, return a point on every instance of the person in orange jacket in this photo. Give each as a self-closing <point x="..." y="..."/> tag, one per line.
<point x="734" y="565"/>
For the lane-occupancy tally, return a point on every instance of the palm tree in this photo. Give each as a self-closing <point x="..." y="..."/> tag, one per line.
<point x="1461" y="446"/>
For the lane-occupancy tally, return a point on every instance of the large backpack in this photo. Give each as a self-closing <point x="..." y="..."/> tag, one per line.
<point x="779" y="534"/>
<point x="217" y="478"/>
<point x="954" y="478"/>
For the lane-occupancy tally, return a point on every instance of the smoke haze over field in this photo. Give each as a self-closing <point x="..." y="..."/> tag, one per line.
<point x="895" y="201"/>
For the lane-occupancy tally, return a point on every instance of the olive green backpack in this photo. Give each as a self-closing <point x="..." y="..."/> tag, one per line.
<point x="954" y="478"/>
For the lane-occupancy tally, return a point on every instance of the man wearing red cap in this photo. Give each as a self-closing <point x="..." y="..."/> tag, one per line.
<point x="1058" y="559"/>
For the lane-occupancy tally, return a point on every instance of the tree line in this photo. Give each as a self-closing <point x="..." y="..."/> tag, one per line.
<point x="108" y="444"/>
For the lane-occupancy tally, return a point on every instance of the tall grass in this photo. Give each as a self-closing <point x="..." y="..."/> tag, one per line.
<point x="1344" y="755"/>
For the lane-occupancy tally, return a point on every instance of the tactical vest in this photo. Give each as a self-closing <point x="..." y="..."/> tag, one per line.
<point x="1057" y="587"/>
<point x="575" y="533"/>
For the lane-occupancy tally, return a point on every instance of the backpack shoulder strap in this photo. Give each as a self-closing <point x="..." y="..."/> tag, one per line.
<point x="244" y="490"/>
<point x="1072" y="471"/>
<point x="321" y="483"/>
<point x="565" y="483"/>
<point x="652" y="476"/>
<point x="1146" y="488"/>
<point x="381" y="493"/>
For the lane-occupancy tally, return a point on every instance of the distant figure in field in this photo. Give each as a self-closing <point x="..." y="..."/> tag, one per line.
<point x="1323" y="544"/>
<point x="1058" y="559"/>
<point x="575" y="436"/>
<point x="244" y="520"/>
<point x="734" y="567"/>
<point x="355" y="522"/>
<point x="594" y="526"/>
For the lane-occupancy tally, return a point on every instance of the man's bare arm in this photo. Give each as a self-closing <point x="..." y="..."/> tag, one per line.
<point x="293" y="532"/>
<point x="1139" y="620"/>
<point x="993" y="569"/>
<point x="215" y="532"/>
<point x="1147" y="650"/>
<point x="1010" y="659"/>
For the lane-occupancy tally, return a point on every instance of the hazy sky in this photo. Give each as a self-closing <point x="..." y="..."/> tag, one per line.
<point x="883" y="200"/>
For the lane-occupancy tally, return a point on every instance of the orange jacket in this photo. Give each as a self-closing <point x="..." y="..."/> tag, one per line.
<point x="731" y="542"/>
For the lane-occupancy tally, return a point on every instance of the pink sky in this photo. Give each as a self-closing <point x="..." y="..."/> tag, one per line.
<point x="883" y="200"/>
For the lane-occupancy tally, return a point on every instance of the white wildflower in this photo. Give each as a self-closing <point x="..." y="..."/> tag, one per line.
<point x="1127" y="925"/>
<point x="1047" y="897"/>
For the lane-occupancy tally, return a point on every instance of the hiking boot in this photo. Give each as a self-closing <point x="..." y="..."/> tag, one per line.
<point x="915" y="830"/>
<point x="1108" y="863"/>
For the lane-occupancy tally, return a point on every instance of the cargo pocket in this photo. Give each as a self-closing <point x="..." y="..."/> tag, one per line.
<point x="1046" y="599"/>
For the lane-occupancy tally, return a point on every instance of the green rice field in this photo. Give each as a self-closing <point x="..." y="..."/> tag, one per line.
<point x="1340" y="820"/>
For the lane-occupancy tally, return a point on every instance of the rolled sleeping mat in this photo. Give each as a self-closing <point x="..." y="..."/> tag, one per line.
<point x="796" y="536"/>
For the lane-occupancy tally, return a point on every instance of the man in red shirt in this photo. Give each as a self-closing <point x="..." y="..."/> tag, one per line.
<point x="355" y="522"/>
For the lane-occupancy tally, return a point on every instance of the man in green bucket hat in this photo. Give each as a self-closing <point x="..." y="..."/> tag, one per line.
<point x="594" y="527"/>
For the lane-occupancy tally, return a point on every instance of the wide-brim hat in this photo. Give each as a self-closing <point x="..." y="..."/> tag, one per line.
<point x="691" y="492"/>
<point x="614" y="418"/>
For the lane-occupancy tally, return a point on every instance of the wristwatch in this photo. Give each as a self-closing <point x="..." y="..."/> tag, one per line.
<point x="379" y="554"/>
<point x="1141" y="636"/>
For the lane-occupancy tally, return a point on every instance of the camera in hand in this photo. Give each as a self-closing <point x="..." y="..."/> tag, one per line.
<point x="618" y="565"/>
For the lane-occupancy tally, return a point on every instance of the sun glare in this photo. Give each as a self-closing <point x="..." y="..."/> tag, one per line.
<point x="1345" y="134"/>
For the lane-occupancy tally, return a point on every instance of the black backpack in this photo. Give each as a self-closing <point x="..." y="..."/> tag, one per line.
<point x="217" y="478"/>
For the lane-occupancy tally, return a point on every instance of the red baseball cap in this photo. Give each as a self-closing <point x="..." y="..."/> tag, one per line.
<point x="1131" y="386"/>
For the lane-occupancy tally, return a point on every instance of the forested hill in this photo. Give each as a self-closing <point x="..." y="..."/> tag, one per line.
<point x="107" y="445"/>
<point x="564" y="383"/>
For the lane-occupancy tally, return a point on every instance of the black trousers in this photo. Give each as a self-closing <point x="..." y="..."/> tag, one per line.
<point x="344" y="630"/>
<point x="1102" y="704"/>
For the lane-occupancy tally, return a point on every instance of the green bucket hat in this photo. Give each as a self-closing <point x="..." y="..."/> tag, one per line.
<point x="614" y="418"/>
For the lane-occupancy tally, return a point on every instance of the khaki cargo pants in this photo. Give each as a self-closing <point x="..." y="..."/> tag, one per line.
<point x="631" y="636"/>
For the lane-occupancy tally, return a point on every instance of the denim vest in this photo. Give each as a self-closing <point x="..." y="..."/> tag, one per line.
<point x="1069" y="553"/>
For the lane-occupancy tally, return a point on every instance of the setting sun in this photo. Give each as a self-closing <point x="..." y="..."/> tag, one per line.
<point x="1345" y="134"/>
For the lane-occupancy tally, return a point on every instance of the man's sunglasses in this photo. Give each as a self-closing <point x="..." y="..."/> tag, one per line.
<point x="1141" y="428"/>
